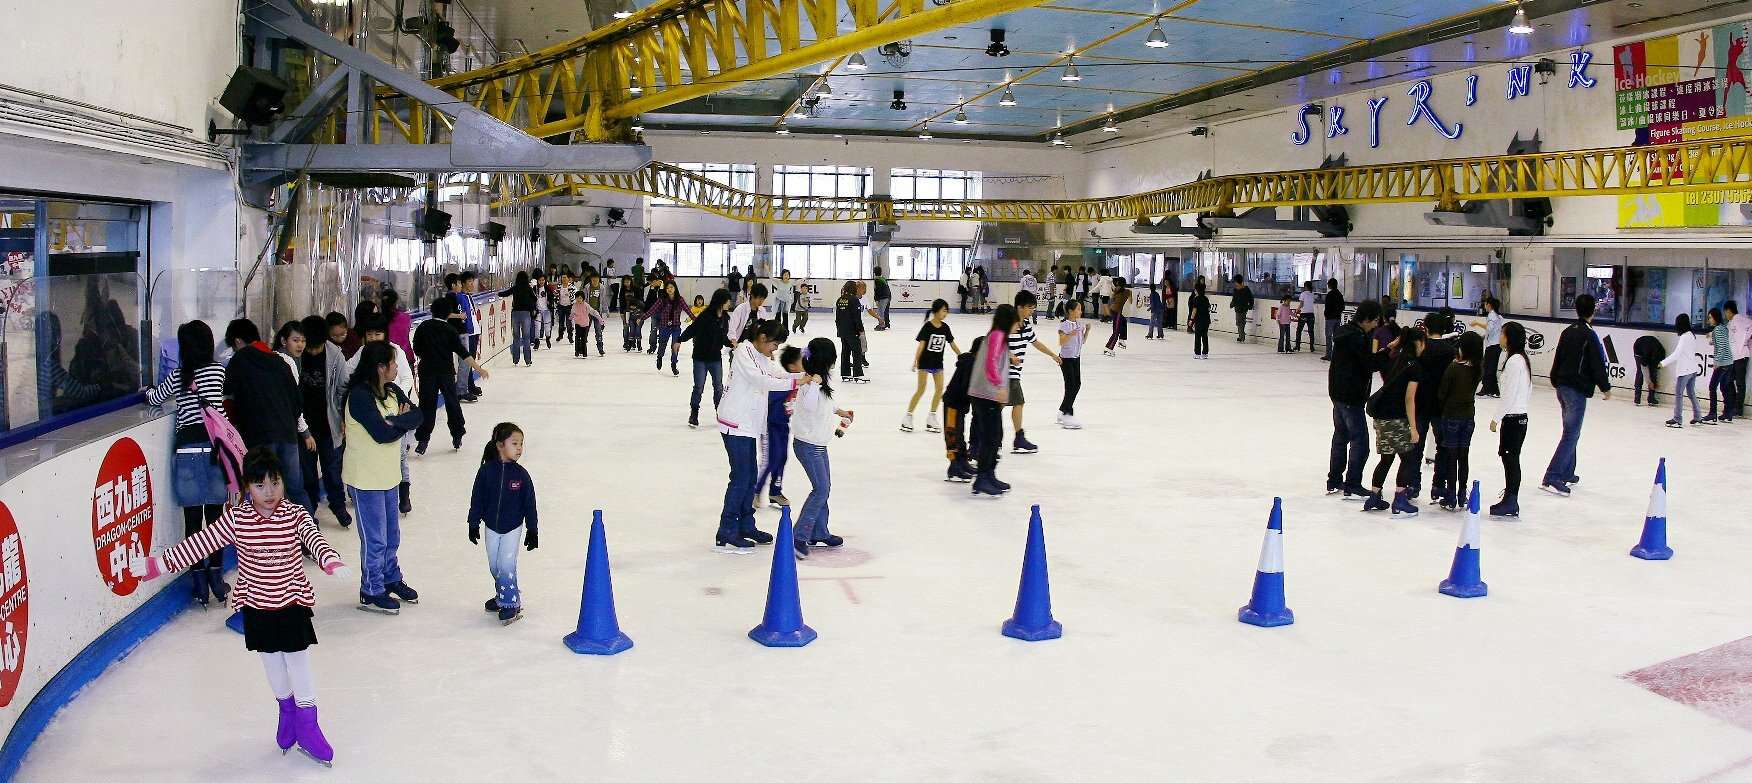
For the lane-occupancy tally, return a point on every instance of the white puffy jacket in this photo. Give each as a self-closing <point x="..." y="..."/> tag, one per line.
<point x="742" y="412"/>
<point x="1688" y="355"/>
<point x="813" y="420"/>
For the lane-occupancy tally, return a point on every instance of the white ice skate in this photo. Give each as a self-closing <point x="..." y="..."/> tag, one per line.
<point x="931" y="424"/>
<point x="906" y="423"/>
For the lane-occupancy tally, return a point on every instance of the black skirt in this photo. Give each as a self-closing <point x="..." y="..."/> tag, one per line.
<point x="284" y="630"/>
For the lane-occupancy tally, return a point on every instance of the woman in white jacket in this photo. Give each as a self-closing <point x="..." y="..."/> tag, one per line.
<point x="815" y="421"/>
<point x="741" y="422"/>
<point x="1515" y="388"/>
<point x="1688" y="356"/>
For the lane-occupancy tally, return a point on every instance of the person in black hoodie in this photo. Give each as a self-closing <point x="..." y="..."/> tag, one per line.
<point x="710" y="335"/>
<point x="266" y="405"/>
<point x="1334" y="312"/>
<point x="1649" y="352"/>
<point x="1437" y="355"/>
<point x="848" y="320"/>
<point x="955" y="409"/>
<point x="1348" y="378"/>
<point x="1242" y="303"/>
<point x="1577" y="369"/>
<point x="435" y="342"/>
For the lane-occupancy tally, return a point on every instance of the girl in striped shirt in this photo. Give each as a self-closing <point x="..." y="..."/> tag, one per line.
<point x="197" y="382"/>
<point x="271" y="536"/>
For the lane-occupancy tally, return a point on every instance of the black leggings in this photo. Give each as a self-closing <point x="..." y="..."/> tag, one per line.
<point x="1072" y="369"/>
<point x="851" y="356"/>
<point x="1511" y="434"/>
<point x="197" y="517"/>
<point x="1407" y="471"/>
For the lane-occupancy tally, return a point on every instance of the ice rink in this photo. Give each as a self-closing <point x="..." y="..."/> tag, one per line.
<point x="1153" y="517"/>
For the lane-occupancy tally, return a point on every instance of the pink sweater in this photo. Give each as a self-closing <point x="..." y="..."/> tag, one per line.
<point x="999" y="342"/>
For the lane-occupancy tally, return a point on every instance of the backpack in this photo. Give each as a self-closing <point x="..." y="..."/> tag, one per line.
<point x="227" y="445"/>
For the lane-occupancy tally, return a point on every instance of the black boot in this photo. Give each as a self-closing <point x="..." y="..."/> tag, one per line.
<point x="407" y="505"/>
<point x="198" y="576"/>
<point x="216" y="584"/>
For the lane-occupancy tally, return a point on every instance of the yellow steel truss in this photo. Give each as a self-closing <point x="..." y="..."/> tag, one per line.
<point x="1717" y="164"/>
<point x="669" y="52"/>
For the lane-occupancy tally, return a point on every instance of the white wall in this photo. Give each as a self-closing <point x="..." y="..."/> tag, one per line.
<point x="167" y="60"/>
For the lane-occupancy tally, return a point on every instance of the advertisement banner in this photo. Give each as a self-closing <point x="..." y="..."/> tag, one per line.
<point x="14" y="606"/>
<point x="1687" y="87"/>
<point x="121" y="514"/>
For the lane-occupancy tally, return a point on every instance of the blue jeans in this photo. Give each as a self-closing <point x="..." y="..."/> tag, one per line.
<point x="502" y="562"/>
<point x="1563" y="463"/>
<point x="522" y="331"/>
<point x="703" y="368"/>
<point x="812" y="523"/>
<point x="1331" y="332"/>
<point x="773" y="467"/>
<point x="379" y="525"/>
<point x="1350" y="446"/>
<point x="670" y="337"/>
<point x="1686" y="386"/>
<point x="737" y="518"/>
<point x="291" y="457"/>
<point x="325" y="463"/>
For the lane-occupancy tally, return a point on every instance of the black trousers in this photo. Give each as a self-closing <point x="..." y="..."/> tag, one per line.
<point x="197" y="517"/>
<point x="1072" y="370"/>
<point x="1652" y="368"/>
<point x="988" y="433"/>
<point x="955" y="433"/>
<point x="1510" y="435"/>
<point x="851" y="356"/>
<point x="1493" y="355"/>
<point x="430" y="383"/>
<point x="1201" y="340"/>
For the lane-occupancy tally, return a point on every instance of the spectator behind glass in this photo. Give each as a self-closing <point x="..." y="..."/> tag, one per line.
<point x="57" y="390"/>
<point x="107" y="355"/>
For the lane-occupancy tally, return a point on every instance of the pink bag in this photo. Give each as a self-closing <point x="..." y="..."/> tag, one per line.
<point x="227" y="445"/>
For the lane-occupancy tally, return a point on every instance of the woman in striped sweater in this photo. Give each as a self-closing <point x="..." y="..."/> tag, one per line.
<point x="271" y="536"/>
<point x="197" y="382"/>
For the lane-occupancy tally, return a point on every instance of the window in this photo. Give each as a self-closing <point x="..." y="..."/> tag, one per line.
<point x="740" y="176"/>
<point x="70" y="304"/>
<point x="933" y="183"/>
<point x="837" y="182"/>
<point x="701" y="259"/>
<point x="919" y="262"/>
<point x="845" y="262"/>
<point x="1651" y="288"/>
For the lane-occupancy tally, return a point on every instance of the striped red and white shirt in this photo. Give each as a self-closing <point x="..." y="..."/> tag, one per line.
<point x="270" y="562"/>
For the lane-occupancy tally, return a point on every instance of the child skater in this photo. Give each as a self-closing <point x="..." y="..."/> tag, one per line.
<point x="775" y="443"/>
<point x="1688" y="355"/>
<point x="1286" y="315"/>
<point x="1515" y="388"/>
<point x="1394" y="409"/>
<point x="1072" y="331"/>
<point x="503" y="498"/>
<point x="817" y="420"/>
<point x="800" y="306"/>
<point x="933" y="337"/>
<point x="956" y="407"/>
<point x="275" y="599"/>
<point x="741" y="422"/>
<point x="1116" y="309"/>
<point x="1158" y="314"/>
<point x="989" y="387"/>
<point x="1454" y="422"/>
<point x="1198" y="321"/>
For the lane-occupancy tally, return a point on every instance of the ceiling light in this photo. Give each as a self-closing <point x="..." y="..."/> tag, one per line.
<point x="1070" y="74"/>
<point x="824" y="89"/>
<point x="633" y="85"/>
<point x="782" y="130"/>
<point x="856" y="62"/>
<point x="638" y="125"/>
<point x="1157" y="39"/>
<point x="1008" y="99"/>
<point x="960" y="117"/>
<point x="1112" y="125"/>
<point x="1519" y="25"/>
<point x="799" y="111"/>
<point x="587" y="238"/>
<point x="622" y="14"/>
<point x="1058" y="139"/>
<point x="926" y="132"/>
<point x="899" y="102"/>
<point x="997" y="47"/>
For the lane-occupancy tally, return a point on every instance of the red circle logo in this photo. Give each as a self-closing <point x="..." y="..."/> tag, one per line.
<point x="121" y="514"/>
<point x="14" y="606"/>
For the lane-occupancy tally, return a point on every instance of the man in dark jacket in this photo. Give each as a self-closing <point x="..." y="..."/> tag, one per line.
<point x="435" y="343"/>
<point x="1347" y="384"/>
<point x="1334" y="311"/>
<point x="266" y="406"/>
<point x="1439" y="352"/>
<point x="1577" y="369"/>
<point x="1242" y="302"/>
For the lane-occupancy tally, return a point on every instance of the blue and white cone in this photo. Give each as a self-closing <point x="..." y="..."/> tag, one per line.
<point x="1653" y="545"/>
<point x="1266" y="608"/>
<point x="1463" y="579"/>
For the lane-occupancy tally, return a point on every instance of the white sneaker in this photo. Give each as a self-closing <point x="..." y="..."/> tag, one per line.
<point x="1060" y="419"/>
<point x="906" y="423"/>
<point x="1070" y="423"/>
<point x="931" y="424"/>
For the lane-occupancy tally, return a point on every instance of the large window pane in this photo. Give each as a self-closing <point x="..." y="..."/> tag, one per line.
<point x="900" y="263"/>
<point x="821" y="261"/>
<point x="688" y="257"/>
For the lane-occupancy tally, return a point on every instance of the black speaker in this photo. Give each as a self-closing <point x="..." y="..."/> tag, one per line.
<point x="493" y="231"/>
<point x="535" y="235"/>
<point x="435" y="222"/>
<point x="254" y="95"/>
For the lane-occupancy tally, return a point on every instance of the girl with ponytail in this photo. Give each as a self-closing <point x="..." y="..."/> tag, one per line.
<point x="815" y="422"/>
<point x="504" y="499"/>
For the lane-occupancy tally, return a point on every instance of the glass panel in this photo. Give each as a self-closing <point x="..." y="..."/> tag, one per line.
<point x="741" y="254"/>
<point x="901" y="188"/>
<point x="900" y="262"/>
<point x="954" y="188"/>
<point x="688" y="258"/>
<point x="928" y="188"/>
<point x="949" y="263"/>
<point x="820" y="260"/>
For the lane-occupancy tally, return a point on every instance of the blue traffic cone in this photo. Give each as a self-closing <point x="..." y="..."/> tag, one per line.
<point x="782" y="625"/>
<point x="1653" y="545"/>
<point x="235" y="622"/>
<point x="1266" y="608"/>
<point x="1032" y="620"/>
<point x="1463" y="578"/>
<point x="598" y="631"/>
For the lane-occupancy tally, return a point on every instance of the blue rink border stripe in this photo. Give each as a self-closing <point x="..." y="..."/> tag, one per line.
<point x="91" y="662"/>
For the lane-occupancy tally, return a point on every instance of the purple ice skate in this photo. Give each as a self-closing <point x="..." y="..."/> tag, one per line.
<point x="285" y="736"/>
<point x="310" y="739"/>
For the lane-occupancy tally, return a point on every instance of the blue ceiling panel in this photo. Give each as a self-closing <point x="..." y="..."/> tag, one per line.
<point x="1355" y="18"/>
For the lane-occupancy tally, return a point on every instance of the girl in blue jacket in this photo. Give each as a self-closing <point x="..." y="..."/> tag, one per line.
<point x="503" y="498"/>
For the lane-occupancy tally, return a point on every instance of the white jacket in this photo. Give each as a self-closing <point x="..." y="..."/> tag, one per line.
<point x="813" y="419"/>
<point x="742" y="412"/>
<point x="1740" y="335"/>
<point x="1687" y="355"/>
<point x="1516" y="385"/>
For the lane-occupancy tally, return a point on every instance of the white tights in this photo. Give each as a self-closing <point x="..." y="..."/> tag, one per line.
<point x="289" y="675"/>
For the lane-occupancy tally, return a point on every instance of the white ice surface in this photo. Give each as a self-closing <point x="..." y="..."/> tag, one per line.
<point x="1153" y="514"/>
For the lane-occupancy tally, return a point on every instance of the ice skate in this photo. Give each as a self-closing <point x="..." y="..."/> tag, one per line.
<point x="402" y="592"/>
<point x="931" y="424"/>
<point x="758" y="536"/>
<point x="1021" y="445"/>
<point x="380" y="604"/>
<point x="778" y="500"/>
<point x="1403" y="508"/>
<point x="906" y="422"/>
<point x="1071" y="423"/>
<point x="285" y="736"/>
<point x="311" y="742"/>
<point x="1506" y="508"/>
<point x="734" y="545"/>
<point x="510" y="614"/>
<point x="1374" y="503"/>
<point x="959" y="473"/>
<point x="830" y="541"/>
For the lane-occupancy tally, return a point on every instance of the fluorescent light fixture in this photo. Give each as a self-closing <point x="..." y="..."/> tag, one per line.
<point x="1479" y="269"/>
<point x="1157" y="39"/>
<point x="1601" y="272"/>
<point x="587" y="238"/>
<point x="782" y="130"/>
<point x="622" y="14"/>
<point x="1519" y="25"/>
<point x="633" y="85"/>
<point x="856" y="62"/>
<point x="638" y="124"/>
